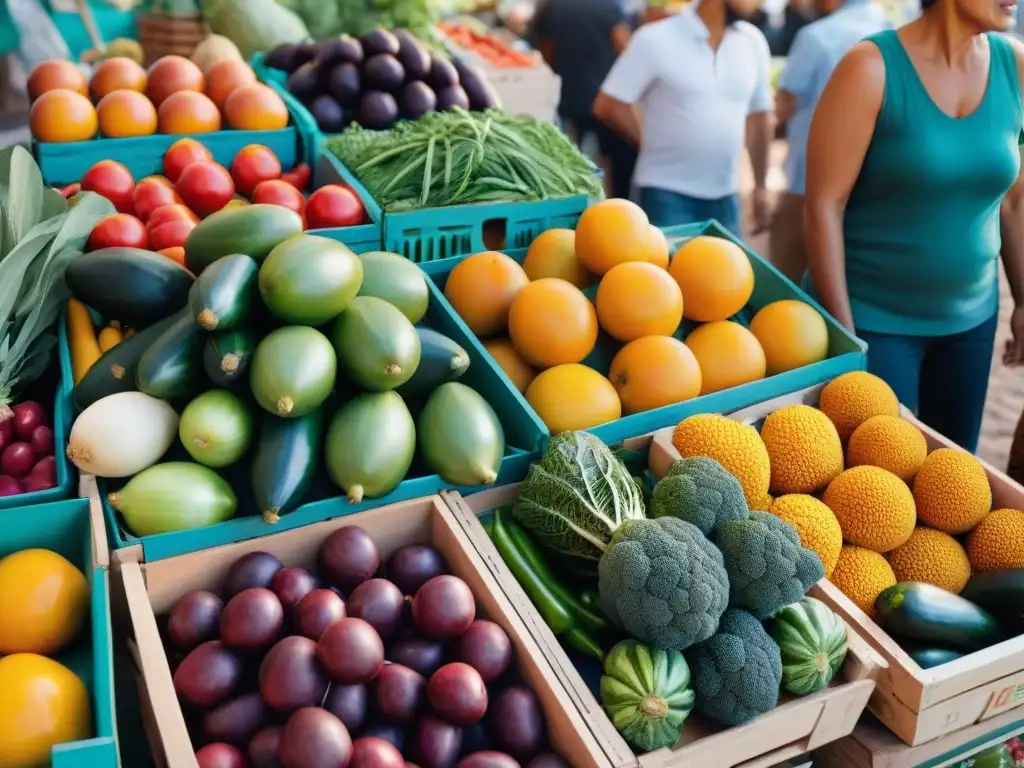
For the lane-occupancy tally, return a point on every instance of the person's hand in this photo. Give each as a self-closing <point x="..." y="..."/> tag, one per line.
<point x="1013" y="353"/>
<point x="761" y="211"/>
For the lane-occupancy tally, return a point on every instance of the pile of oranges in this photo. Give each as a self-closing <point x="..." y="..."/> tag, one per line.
<point x="609" y="291"/>
<point x="172" y="97"/>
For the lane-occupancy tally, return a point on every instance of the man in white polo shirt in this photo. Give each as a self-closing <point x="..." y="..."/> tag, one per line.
<point x="689" y="91"/>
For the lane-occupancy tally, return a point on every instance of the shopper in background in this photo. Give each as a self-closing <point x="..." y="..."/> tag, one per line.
<point x="580" y="39"/>
<point x="701" y="82"/>
<point x="816" y="51"/>
<point x="913" y="193"/>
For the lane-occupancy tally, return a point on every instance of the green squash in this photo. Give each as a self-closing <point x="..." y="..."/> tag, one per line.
<point x="176" y="496"/>
<point x="309" y="280"/>
<point x="292" y="371"/>
<point x="397" y="280"/>
<point x="377" y="346"/>
<point x="646" y="694"/>
<point x="812" y="640"/>
<point x="460" y="436"/>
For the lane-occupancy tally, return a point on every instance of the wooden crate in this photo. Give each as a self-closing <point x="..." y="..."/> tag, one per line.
<point x="917" y="704"/>
<point x="150" y="589"/>
<point x="794" y="728"/>
<point x="162" y="35"/>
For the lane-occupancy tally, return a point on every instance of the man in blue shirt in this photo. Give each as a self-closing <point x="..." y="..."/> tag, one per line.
<point x="816" y="50"/>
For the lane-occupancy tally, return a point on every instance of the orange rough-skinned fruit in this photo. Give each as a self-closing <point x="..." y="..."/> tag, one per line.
<point x="551" y="323"/>
<point x="224" y="77"/>
<point x="716" y="278"/>
<point x="481" y="289"/>
<point x="54" y="74"/>
<point x="188" y="112"/>
<point x="573" y="396"/>
<point x="638" y="299"/>
<point x="255" y="107"/>
<point x="44" y="600"/>
<point x="612" y="232"/>
<point x="519" y="372"/>
<point x="170" y="74"/>
<point x="654" y="371"/>
<point x="117" y="74"/>
<point x="62" y="115"/>
<point x="728" y="355"/>
<point x="553" y="254"/>
<point x="658" y="248"/>
<point x="126" y="113"/>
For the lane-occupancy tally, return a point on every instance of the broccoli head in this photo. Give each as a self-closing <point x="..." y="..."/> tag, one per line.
<point x="768" y="567"/>
<point x="737" y="673"/>
<point x="663" y="582"/>
<point x="699" y="490"/>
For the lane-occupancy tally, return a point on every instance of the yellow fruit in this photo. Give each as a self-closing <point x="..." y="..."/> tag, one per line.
<point x="817" y="525"/>
<point x="571" y="397"/>
<point x="951" y="491"/>
<point x="728" y="355"/>
<point x="734" y="445"/>
<point x="638" y="299"/>
<point x="996" y="543"/>
<point x="553" y="254"/>
<point x="43" y="704"/>
<point x="853" y="398"/>
<point x="861" y="575"/>
<point x="551" y="323"/>
<point x="481" y="290"/>
<point x="792" y="333"/>
<point x="612" y="232"/>
<point x="519" y="372"/>
<point x="654" y="371"/>
<point x="933" y="557"/>
<point x="657" y="252"/>
<point x="765" y="504"/>
<point x="804" y="449"/>
<point x="888" y="442"/>
<point x="44" y="600"/>
<point x="715" y="276"/>
<point x="874" y="508"/>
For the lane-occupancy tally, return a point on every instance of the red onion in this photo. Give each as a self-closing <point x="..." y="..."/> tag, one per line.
<point x="33" y="483"/>
<point x="28" y="416"/>
<point x="9" y="486"/>
<point x="17" y="459"/>
<point x="42" y="440"/>
<point x="46" y="467"/>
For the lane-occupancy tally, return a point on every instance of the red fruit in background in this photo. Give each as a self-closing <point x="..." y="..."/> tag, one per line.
<point x="158" y="179"/>
<point x="71" y="189"/>
<point x="334" y="206"/>
<point x="205" y="187"/>
<point x="298" y="177"/>
<point x="112" y="180"/>
<point x="182" y="154"/>
<point x="277" y="192"/>
<point x="253" y="164"/>
<point x="170" y="234"/>
<point x="118" y="229"/>
<point x="151" y="194"/>
<point x="168" y="213"/>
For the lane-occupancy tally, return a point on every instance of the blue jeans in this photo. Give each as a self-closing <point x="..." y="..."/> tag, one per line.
<point x="943" y="379"/>
<point x="666" y="209"/>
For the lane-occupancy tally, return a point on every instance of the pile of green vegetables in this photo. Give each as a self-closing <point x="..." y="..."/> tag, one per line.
<point x="327" y="18"/>
<point x="705" y="597"/>
<point x="459" y="157"/>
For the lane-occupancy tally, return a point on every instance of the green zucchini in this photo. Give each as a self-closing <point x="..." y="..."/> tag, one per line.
<point x="130" y="285"/>
<point x="927" y="658"/>
<point x="226" y="356"/>
<point x="249" y="229"/>
<point x="1001" y="593"/>
<point x="923" y="613"/>
<point x="221" y="297"/>
<point x="172" y="366"/>
<point x="115" y="370"/>
<point x="287" y="457"/>
<point x="441" y="361"/>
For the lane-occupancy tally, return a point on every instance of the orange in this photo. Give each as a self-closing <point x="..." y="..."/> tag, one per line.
<point x="792" y="333"/>
<point x="117" y="74"/>
<point x="255" y="107"/>
<point x="658" y="248"/>
<point x="481" y="290"/>
<point x="188" y="112"/>
<point x="638" y="299"/>
<point x="612" y="232"/>
<point x="716" y="278"/>
<point x="43" y="602"/>
<point x="224" y="77"/>
<point x="62" y="115"/>
<point x="44" y="704"/>
<point x="519" y="372"/>
<point x="176" y="254"/>
<point x="56" y="74"/>
<point x="728" y="355"/>
<point x="170" y="74"/>
<point x="654" y="371"/>
<point x="126" y="113"/>
<point x="551" y="322"/>
<point x="570" y="397"/>
<point x="553" y="254"/>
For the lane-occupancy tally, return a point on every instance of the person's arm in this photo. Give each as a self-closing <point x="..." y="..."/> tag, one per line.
<point x="621" y="34"/>
<point x="760" y="131"/>
<point x="628" y="80"/>
<point x="798" y="75"/>
<point x="1011" y="228"/>
<point x="841" y="130"/>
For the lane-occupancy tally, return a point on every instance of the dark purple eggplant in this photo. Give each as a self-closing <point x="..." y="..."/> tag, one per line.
<point x="478" y="89"/>
<point x="450" y="98"/>
<point x="353" y="50"/>
<point x="305" y="82"/>
<point x="442" y="73"/>
<point x="377" y="41"/>
<point x="331" y="51"/>
<point x="345" y="83"/>
<point x="416" y="100"/>
<point x="305" y="52"/>
<point x="377" y="110"/>
<point x="383" y="72"/>
<point x="413" y="56"/>
<point x="329" y="115"/>
<point x="282" y="57"/>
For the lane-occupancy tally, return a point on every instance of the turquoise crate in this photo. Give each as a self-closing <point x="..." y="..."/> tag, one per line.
<point x="846" y="352"/>
<point x="64" y="527"/>
<point x="483" y="375"/>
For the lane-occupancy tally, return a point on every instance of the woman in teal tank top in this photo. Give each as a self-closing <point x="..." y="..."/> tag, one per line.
<point x="913" y="194"/>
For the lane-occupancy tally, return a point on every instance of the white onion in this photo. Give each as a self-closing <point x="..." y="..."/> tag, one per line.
<point x="120" y="435"/>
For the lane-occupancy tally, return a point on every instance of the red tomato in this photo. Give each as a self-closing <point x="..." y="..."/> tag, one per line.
<point x="182" y="154"/>
<point x="334" y="206"/>
<point x="158" y="179"/>
<point x="151" y="194"/>
<point x="298" y="177"/>
<point x="167" y="213"/>
<point x="112" y="180"/>
<point x="205" y="187"/>
<point x="277" y="192"/>
<point x="118" y="229"/>
<point x="253" y="164"/>
<point x="170" y="234"/>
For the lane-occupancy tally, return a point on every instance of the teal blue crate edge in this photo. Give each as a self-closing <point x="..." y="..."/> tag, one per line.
<point x="104" y="717"/>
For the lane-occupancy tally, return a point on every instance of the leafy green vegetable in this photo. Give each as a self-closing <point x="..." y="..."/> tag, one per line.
<point x="325" y="18"/>
<point x="699" y="490"/>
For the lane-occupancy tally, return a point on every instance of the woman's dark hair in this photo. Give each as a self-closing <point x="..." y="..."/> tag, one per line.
<point x="926" y="4"/>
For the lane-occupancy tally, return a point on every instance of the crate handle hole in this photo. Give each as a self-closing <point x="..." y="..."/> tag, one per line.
<point x="495" y="232"/>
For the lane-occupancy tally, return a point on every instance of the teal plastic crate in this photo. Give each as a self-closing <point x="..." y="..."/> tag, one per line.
<point x="64" y="527"/>
<point x="846" y="352"/>
<point x="521" y="432"/>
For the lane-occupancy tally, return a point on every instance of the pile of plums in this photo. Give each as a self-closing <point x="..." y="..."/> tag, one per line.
<point x="344" y="668"/>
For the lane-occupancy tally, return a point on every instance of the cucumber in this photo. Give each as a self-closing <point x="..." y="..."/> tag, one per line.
<point x="172" y="366"/>
<point x="115" y="370"/>
<point x="923" y="613"/>
<point x="441" y="361"/>
<point x="377" y="346"/>
<point x="1001" y="593"/>
<point x="226" y="356"/>
<point x="133" y="286"/>
<point x="292" y="371"/>
<point x="287" y="458"/>
<point x="927" y="658"/>
<point x="250" y="229"/>
<point x="309" y="280"/>
<point x="460" y="436"/>
<point x="222" y="297"/>
<point x="397" y="280"/>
